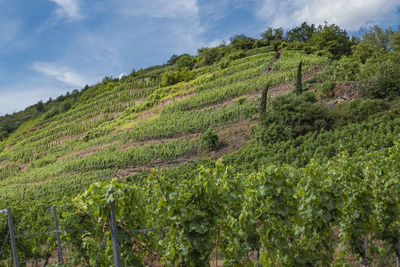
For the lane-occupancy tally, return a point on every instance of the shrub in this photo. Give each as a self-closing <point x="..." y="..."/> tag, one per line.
<point x="185" y="61"/>
<point x="332" y="40"/>
<point x="386" y="82"/>
<point x="291" y="116"/>
<point x="383" y="75"/>
<point x="51" y="113"/>
<point x="325" y="89"/>
<point x="3" y="134"/>
<point x="345" y="69"/>
<point x="209" y="140"/>
<point x="172" y="77"/>
<point x="356" y="111"/>
<point x="40" y="106"/>
<point x="66" y="105"/>
<point x="241" y="100"/>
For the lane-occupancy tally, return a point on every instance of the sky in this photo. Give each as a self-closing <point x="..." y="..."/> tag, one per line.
<point x="49" y="47"/>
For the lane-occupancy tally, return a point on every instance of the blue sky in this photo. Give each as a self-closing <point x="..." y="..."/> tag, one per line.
<point x="49" y="47"/>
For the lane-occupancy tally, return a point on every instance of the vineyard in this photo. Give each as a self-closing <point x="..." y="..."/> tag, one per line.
<point x="253" y="157"/>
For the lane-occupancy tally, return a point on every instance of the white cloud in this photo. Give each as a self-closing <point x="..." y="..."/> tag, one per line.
<point x="67" y="8"/>
<point x="349" y="14"/>
<point x="60" y="73"/>
<point x="175" y="9"/>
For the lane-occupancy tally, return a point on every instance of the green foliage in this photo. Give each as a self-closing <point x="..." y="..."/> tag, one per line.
<point x="209" y="56"/>
<point x="263" y="103"/>
<point x="242" y="42"/>
<point x="299" y="84"/>
<point x="66" y="105"/>
<point x="172" y="77"/>
<point x="40" y="106"/>
<point x="375" y="41"/>
<point x="209" y="140"/>
<point x="383" y="75"/>
<point x="302" y="33"/>
<point x="291" y="116"/>
<point x="332" y="40"/>
<point x="271" y="35"/>
<point x="356" y="111"/>
<point x="3" y="134"/>
<point x="344" y="69"/>
<point x="172" y="59"/>
<point x="283" y="213"/>
<point x="194" y="210"/>
<point x="325" y="89"/>
<point x="185" y="61"/>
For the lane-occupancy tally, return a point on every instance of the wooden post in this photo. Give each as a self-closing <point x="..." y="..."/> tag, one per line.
<point x="365" y="255"/>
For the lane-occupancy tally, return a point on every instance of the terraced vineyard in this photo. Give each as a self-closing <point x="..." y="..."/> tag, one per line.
<point x="96" y="133"/>
<point x="259" y="158"/>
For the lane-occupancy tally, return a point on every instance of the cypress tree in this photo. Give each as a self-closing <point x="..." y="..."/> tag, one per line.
<point x="263" y="104"/>
<point x="299" y="85"/>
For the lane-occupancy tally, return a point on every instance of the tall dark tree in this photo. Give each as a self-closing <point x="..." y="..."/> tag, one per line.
<point x="263" y="102"/>
<point x="172" y="60"/>
<point x="40" y="106"/>
<point x="299" y="84"/>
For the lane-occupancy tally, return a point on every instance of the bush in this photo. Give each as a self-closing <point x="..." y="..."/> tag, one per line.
<point x="386" y="82"/>
<point x="209" y="56"/>
<point x="331" y="40"/>
<point x="185" y="61"/>
<point x="356" y="111"/>
<point x="345" y="69"/>
<point x="383" y="74"/>
<point x="291" y="116"/>
<point x="3" y="134"/>
<point x="325" y="89"/>
<point x="209" y="140"/>
<point x="66" y="105"/>
<point x="241" y="100"/>
<point x="172" y="77"/>
<point x="40" y="106"/>
<point x="51" y="113"/>
<point x="242" y="42"/>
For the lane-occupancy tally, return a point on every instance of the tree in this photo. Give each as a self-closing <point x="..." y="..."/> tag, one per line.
<point x="185" y="61"/>
<point x="263" y="103"/>
<point x="331" y="39"/>
<point x="242" y="42"/>
<point x="173" y="59"/>
<point x="40" y="106"/>
<point x="375" y="40"/>
<point x="273" y="37"/>
<point x="272" y="34"/>
<point x="302" y="33"/>
<point x="299" y="85"/>
<point x="209" y="56"/>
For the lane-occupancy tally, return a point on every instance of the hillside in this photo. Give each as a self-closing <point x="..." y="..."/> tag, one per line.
<point x="323" y="101"/>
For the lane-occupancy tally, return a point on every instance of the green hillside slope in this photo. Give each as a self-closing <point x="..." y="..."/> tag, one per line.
<point x="192" y="112"/>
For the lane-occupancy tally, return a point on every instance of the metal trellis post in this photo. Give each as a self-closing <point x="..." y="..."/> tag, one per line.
<point x="60" y="256"/>
<point x="114" y="235"/>
<point x="12" y="237"/>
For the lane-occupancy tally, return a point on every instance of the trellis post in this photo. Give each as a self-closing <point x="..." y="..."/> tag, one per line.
<point x="60" y="256"/>
<point x="114" y="235"/>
